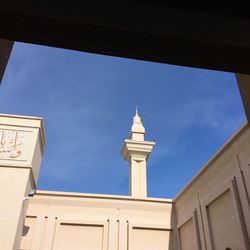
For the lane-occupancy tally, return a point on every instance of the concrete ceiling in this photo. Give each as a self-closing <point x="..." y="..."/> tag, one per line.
<point x="209" y="35"/>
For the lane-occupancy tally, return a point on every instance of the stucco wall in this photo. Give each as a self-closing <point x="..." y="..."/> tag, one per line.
<point x="61" y="221"/>
<point x="211" y="213"/>
<point x="213" y="209"/>
<point x="21" y="148"/>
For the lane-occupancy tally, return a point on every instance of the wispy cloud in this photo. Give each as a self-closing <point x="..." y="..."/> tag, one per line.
<point x="88" y="101"/>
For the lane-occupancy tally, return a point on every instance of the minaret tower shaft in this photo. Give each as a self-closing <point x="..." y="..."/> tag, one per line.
<point x="136" y="151"/>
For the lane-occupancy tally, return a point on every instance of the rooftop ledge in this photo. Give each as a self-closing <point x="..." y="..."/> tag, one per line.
<point x="217" y="155"/>
<point x="99" y="196"/>
<point x="22" y="116"/>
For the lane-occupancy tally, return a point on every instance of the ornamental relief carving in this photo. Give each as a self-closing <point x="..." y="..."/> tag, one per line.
<point x="11" y="144"/>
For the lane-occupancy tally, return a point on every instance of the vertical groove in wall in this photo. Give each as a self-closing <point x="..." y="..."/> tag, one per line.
<point x="108" y="235"/>
<point x="127" y="235"/>
<point x="173" y="224"/>
<point x="119" y="236"/>
<point x="210" y="235"/>
<point x="202" y="222"/>
<point x="240" y="213"/>
<point x="238" y="161"/>
<point x="43" y="233"/>
<point x="245" y="188"/>
<point x="243" y="193"/>
<point x="197" y="231"/>
<point x="243" y="180"/>
<point x="54" y="233"/>
<point x="178" y="237"/>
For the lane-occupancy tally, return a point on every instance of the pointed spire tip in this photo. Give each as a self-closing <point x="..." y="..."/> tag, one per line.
<point x="136" y="110"/>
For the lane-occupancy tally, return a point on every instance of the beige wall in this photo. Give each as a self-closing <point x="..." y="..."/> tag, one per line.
<point x="21" y="148"/>
<point x="97" y="222"/>
<point x="213" y="210"/>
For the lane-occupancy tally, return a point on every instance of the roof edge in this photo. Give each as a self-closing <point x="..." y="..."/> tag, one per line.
<point x="99" y="196"/>
<point x="217" y="154"/>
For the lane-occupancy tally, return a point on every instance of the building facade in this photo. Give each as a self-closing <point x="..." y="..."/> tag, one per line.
<point x="211" y="212"/>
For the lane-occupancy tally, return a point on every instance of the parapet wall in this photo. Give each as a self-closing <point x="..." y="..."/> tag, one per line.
<point x="213" y="209"/>
<point x="63" y="221"/>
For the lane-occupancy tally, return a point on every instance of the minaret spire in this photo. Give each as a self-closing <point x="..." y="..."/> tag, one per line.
<point x="136" y="151"/>
<point x="137" y="130"/>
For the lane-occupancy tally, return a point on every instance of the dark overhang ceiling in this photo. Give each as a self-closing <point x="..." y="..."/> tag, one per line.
<point x="208" y="34"/>
<point x="235" y="8"/>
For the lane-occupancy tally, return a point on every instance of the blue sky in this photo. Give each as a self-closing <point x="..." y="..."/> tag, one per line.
<point x="88" y="102"/>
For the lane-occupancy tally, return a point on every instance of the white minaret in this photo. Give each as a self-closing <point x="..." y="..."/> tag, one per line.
<point x="136" y="151"/>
